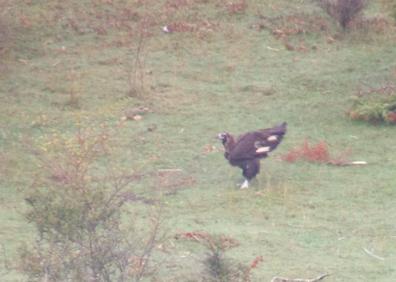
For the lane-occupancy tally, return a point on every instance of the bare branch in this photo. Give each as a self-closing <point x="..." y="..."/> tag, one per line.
<point x="283" y="279"/>
<point x="372" y="254"/>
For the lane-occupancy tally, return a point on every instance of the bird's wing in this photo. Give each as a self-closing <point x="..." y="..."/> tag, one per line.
<point x="246" y="147"/>
<point x="279" y="130"/>
<point x="257" y="144"/>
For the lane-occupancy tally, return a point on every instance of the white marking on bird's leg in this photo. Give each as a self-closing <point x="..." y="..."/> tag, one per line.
<point x="263" y="149"/>
<point x="245" y="184"/>
<point x="272" y="138"/>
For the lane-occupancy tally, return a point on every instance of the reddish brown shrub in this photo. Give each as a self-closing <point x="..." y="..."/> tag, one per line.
<point x="315" y="153"/>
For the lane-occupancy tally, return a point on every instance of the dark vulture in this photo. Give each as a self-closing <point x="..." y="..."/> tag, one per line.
<point x="246" y="151"/>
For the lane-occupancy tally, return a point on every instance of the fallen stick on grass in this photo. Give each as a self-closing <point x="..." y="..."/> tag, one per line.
<point x="272" y="49"/>
<point x="342" y="163"/>
<point x="283" y="279"/>
<point x="170" y="170"/>
<point x="357" y="163"/>
<point x="372" y="254"/>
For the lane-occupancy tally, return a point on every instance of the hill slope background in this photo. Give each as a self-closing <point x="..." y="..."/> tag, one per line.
<point x="72" y="65"/>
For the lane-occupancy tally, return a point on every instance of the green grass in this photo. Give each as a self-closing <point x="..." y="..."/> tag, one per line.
<point x="304" y="219"/>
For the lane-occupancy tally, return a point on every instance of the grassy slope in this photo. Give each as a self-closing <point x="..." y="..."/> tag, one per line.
<point x="303" y="219"/>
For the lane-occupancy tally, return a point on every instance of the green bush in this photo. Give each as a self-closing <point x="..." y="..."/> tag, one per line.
<point x="375" y="106"/>
<point x="76" y="206"/>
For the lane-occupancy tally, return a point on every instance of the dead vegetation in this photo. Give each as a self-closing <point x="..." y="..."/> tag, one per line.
<point x="170" y="181"/>
<point x="318" y="153"/>
<point x="291" y="29"/>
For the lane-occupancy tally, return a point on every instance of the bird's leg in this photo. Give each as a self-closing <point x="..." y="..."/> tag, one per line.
<point x="245" y="184"/>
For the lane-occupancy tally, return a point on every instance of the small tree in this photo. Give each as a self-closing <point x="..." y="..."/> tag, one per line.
<point x="343" y="11"/>
<point x="76" y="207"/>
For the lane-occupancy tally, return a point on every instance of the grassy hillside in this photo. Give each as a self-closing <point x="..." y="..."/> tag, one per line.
<point x="68" y="65"/>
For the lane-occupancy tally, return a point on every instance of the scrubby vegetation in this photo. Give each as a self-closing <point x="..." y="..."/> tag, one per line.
<point x="76" y="207"/>
<point x="109" y="111"/>
<point x="343" y="11"/>
<point x="217" y="267"/>
<point x="375" y="105"/>
<point x="315" y="153"/>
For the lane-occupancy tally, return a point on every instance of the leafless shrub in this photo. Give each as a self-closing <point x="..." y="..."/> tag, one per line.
<point x="76" y="206"/>
<point x="217" y="267"/>
<point x="3" y="35"/>
<point x="137" y="68"/>
<point x="4" y="25"/>
<point x="343" y="11"/>
<point x="74" y="91"/>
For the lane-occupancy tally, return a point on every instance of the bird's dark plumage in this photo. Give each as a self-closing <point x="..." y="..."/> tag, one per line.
<point x="247" y="150"/>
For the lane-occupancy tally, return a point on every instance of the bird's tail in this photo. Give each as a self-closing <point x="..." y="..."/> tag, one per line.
<point x="279" y="129"/>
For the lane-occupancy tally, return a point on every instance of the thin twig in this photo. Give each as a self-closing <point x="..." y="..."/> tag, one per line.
<point x="372" y="255"/>
<point x="170" y="170"/>
<point x="342" y="163"/>
<point x="283" y="279"/>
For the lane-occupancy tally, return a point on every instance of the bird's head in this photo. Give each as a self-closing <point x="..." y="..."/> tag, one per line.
<point x="224" y="137"/>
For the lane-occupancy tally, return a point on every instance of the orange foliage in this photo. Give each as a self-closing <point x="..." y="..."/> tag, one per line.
<point x="315" y="153"/>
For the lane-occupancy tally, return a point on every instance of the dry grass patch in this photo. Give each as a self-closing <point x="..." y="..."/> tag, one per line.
<point x="289" y="28"/>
